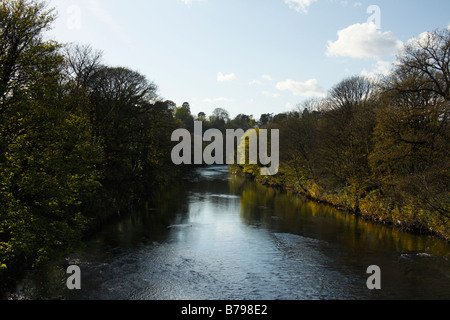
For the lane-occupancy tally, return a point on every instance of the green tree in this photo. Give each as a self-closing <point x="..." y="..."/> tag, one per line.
<point x="242" y="121"/>
<point x="346" y="128"/>
<point x="220" y="117"/>
<point x="183" y="114"/>
<point x="47" y="160"/>
<point x="265" y="119"/>
<point x="411" y="155"/>
<point x="22" y="47"/>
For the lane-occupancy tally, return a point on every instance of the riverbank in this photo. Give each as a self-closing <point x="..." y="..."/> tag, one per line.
<point x="247" y="242"/>
<point x="101" y="213"/>
<point x="370" y="207"/>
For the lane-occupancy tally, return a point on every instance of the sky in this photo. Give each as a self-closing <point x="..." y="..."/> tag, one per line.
<point x="247" y="56"/>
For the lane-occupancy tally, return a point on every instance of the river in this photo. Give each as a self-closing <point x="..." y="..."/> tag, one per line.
<point x="217" y="236"/>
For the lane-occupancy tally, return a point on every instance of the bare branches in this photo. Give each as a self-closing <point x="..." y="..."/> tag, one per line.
<point x="82" y="63"/>
<point x="428" y="57"/>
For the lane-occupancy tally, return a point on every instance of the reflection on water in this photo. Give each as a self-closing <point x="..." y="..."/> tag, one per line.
<point x="219" y="236"/>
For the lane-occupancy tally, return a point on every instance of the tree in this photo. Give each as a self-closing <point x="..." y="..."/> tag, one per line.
<point x="48" y="160"/>
<point x="171" y="106"/>
<point x="121" y="100"/>
<point x="220" y="118"/>
<point x="411" y="154"/>
<point x="187" y="106"/>
<point x="202" y="115"/>
<point x="22" y="47"/>
<point x="221" y="114"/>
<point x="76" y="137"/>
<point x="183" y="114"/>
<point x="83" y="62"/>
<point x="348" y="121"/>
<point x="298" y="142"/>
<point x="425" y="61"/>
<point x="242" y="121"/>
<point x="265" y="119"/>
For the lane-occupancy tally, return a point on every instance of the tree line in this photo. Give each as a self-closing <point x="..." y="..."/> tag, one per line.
<point x="379" y="148"/>
<point x="79" y="140"/>
<point x="219" y="119"/>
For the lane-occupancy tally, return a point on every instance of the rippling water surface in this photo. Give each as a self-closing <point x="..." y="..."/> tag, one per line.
<point x="217" y="236"/>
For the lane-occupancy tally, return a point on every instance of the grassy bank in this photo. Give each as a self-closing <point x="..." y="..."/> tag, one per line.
<point x="372" y="206"/>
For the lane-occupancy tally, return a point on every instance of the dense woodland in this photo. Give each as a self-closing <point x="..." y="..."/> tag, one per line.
<point x="81" y="141"/>
<point x="379" y="148"/>
<point x="376" y="147"/>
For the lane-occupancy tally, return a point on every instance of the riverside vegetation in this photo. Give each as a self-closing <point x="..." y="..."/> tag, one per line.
<point x="376" y="148"/>
<point x="81" y="141"/>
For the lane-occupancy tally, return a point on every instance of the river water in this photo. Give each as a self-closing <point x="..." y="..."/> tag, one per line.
<point x="217" y="236"/>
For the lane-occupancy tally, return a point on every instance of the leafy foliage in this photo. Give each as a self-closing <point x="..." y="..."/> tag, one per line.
<point x="76" y="137"/>
<point x="379" y="149"/>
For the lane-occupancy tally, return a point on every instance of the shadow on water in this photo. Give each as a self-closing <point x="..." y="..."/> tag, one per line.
<point x="218" y="236"/>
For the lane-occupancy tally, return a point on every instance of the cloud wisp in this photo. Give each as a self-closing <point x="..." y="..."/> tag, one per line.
<point x="98" y="10"/>
<point x="301" y="6"/>
<point x="225" y="77"/>
<point x="221" y="99"/>
<point x="309" y="89"/>
<point x="189" y="2"/>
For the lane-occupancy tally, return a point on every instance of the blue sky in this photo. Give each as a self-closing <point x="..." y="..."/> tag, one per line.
<point x="247" y="56"/>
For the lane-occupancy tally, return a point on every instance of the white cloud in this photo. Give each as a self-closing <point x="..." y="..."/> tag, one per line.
<point x="424" y="40"/>
<point x="257" y="82"/>
<point x="221" y="99"/>
<point x="189" y="2"/>
<point x="310" y="88"/>
<point x="299" y="5"/>
<point x="225" y="77"/>
<point x="290" y="106"/>
<point x="363" y="40"/>
<point x="381" y="68"/>
<point x="421" y="39"/>
<point x="270" y="94"/>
